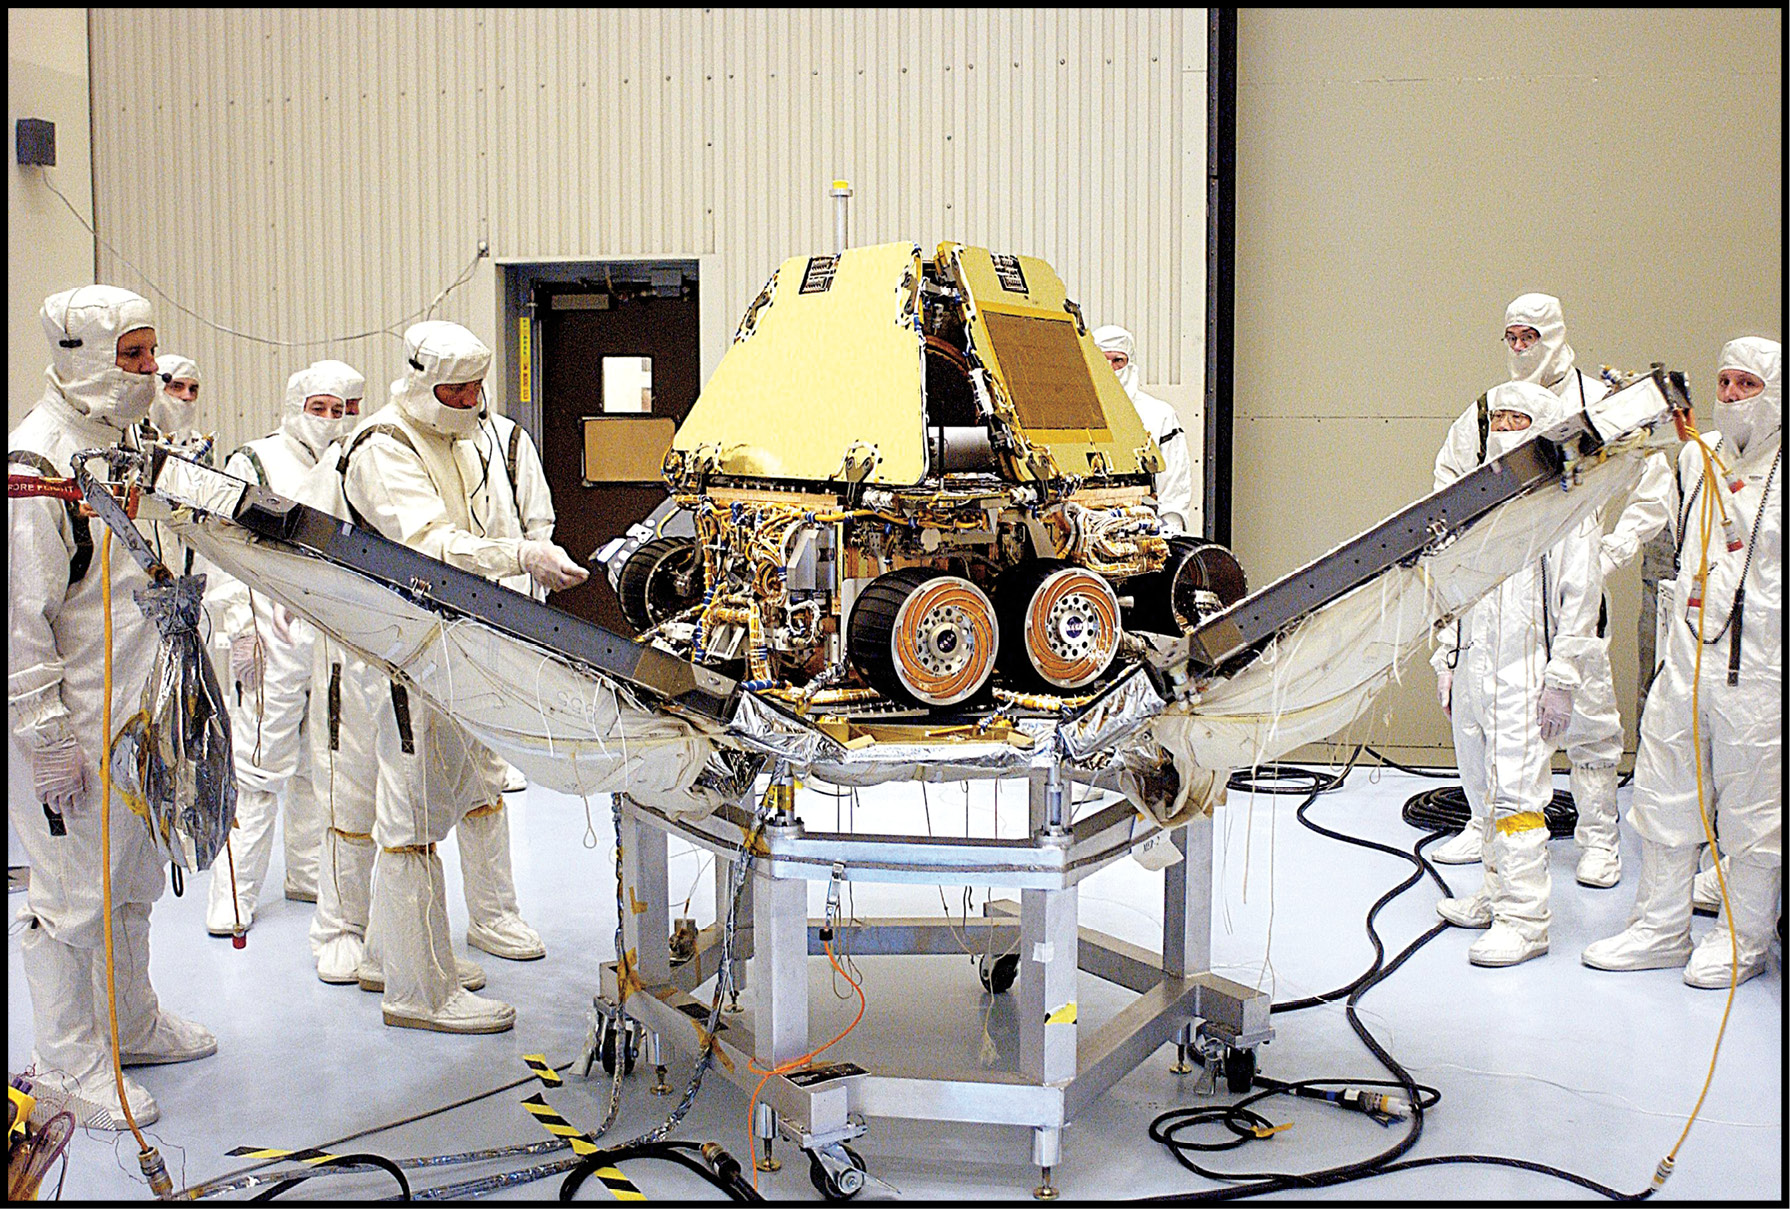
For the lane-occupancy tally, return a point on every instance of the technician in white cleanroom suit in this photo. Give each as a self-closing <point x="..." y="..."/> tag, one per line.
<point x="510" y="500"/>
<point x="1513" y="664"/>
<point x="176" y="405"/>
<point x="407" y="478"/>
<point x="1725" y="714"/>
<point x="101" y="382"/>
<point x="343" y="743"/>
<point x="270" y="671"/>
<point x="1174" y="483"/>
<point x="1535" y="337"/>
<point x="344" y="693"/>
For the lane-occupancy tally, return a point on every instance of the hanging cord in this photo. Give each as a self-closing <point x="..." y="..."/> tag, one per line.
<point x="797" y="1063"/>
<point x="391" y="329"/>
<point x="1707" y="525"/>
<point x="147" y="1156"/>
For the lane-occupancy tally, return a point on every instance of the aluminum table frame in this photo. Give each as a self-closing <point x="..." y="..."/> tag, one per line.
<point x="1062" y="1066"/>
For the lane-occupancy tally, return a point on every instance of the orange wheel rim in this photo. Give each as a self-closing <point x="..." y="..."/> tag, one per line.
<point x="944" y="640"/>
<point x="1072" y="627"/>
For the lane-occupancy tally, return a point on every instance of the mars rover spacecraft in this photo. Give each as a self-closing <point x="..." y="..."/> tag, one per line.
<point x="913" y="480"/>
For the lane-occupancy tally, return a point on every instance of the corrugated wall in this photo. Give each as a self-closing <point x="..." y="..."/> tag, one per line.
<point x="1403" y="174"/>
<point x="301" y="174"/>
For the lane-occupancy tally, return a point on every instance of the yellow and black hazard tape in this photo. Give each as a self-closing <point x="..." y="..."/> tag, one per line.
<point x="313" y="1156"/>
<point x="582" y="1144"/>
<point x="545" y="1073"/>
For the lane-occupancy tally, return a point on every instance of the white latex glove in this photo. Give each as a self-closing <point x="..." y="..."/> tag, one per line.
<point x="1445" y="691"/>
<point x="1554" y="712"/>
<point x="1606" y="566"/>
<point x="282" y="622"/>
<point x="59" y="775"/>
<point x="550" y="566"/>
<point x="246" y="659"/>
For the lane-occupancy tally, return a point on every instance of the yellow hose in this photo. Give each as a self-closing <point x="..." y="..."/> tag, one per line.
<point x="105" y="841"/>
<point x="1706" y="516"/>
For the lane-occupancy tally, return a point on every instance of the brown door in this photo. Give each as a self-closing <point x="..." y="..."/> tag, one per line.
<point x="616" y="365"/>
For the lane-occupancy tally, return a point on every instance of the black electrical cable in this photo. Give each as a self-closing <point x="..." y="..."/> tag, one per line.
<point x="347" y="1160"/>
<point x="735" y="1188"/>
<point x="1416" y="772"/>
<point x="1272" y="778"/>
<point x="1445" y="809"/>
<point x="1165" y="1126"/>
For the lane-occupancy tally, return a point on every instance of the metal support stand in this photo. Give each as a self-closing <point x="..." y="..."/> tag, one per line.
<point x="1063" y="1064"/>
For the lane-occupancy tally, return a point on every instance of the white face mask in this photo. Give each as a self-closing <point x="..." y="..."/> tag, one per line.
<point x="120" y="399"/>
<point x="1526" y="366"/>
<point x="421" y="405"/>
<point x="314" y="432"/>
<point x="1497" y="444"/>
<point x="456" y="421"/>
<point x="171" y="415"/>
<point x="1737" y="421"/>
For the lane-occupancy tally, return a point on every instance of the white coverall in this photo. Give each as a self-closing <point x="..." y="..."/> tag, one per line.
<point x="408" y="479"/>
<point x="56" y="651"/>
<point x="1530" y="634"/>
<point x="507" y="506"/>
<point x="1593" y="741"/>
<point x="1720" y="717"/>
<point x="1174" y="482"/>
<point x="345" y="691"/>
<point x="270" y="715"/>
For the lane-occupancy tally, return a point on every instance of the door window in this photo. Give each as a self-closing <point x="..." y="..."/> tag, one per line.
<point x="627" y="384"/>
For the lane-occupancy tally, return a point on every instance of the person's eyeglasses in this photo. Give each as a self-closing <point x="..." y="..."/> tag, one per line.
<point x="1519" y="341"/>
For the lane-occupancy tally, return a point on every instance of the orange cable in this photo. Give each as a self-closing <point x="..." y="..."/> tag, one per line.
<point x="794" y="1063"/>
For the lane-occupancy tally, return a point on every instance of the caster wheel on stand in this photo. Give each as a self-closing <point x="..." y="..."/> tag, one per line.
<point x="1239" y="1070"/>
<point x="998" y="979"/>
<point x="837" y="1185"/>
<point x="618" y="1041"/>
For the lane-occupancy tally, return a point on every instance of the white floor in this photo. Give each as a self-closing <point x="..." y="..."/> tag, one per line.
<point x="1549" y="1061"/>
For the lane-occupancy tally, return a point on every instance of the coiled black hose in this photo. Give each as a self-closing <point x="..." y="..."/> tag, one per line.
<point x="725" y="1175"/>
<point x="1445" y="809"/>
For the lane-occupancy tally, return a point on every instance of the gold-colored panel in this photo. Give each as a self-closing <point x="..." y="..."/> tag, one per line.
<point x="625" y="449"/>
<point x="830" y="366"/>
<point x="1020" y="294"/>
<point x="1045" y="374"/>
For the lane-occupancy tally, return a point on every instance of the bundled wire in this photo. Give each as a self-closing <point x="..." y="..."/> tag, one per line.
<point x="1445" y="809"/>
<point x="1246" y="1124"/>
<point x="348" y="1160"/>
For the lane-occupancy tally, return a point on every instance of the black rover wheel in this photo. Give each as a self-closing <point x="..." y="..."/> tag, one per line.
<point x="659" y="581"/>
<point x="922" y="636"/>
<point x="1061" y="625"/>
<point x="1199" y="579"/>
<point x="997" y="979"/>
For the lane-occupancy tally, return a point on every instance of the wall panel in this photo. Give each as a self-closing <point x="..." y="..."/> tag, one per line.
<point x="1403" y="174"/>
<point x="340" y="166"/>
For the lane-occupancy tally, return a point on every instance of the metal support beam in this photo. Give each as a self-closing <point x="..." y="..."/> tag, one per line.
<point x="646" y="914"/>
<point x="780" y="1006"/>
<point x="1187" y="902"/>
<point x="1048" y="946"/>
